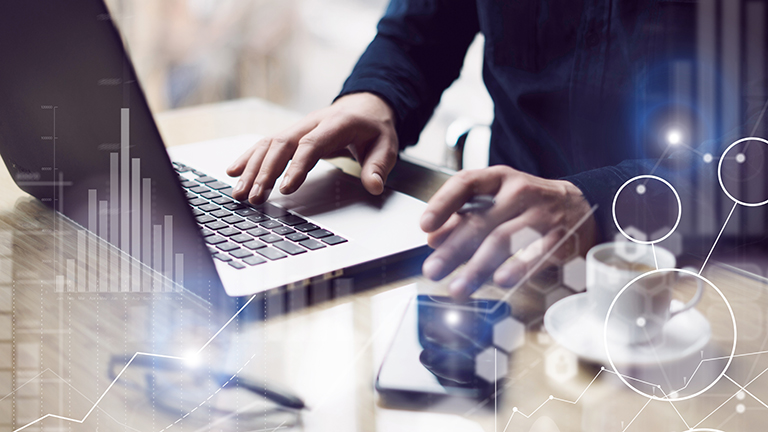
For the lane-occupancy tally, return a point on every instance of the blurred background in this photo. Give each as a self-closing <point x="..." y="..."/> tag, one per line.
<point x="294" y="53"/>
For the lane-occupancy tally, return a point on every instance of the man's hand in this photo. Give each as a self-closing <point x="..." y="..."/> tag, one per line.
<point x="551" y="207"/>
<point x="360" y="123"/>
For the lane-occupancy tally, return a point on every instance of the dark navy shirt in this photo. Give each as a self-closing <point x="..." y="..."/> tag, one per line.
<point x="565" y="77"/>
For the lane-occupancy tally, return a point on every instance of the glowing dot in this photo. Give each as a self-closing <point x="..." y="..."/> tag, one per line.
<point x="740" y="408"/>
<point x="514" y="409"/>
<point x="740" y="158"/>
<point x="674" y="137"/>
<point x="551" y="397"/>
<point x="640" y="322"/>
<point x="452" y="317"/>
<point x="740" y="395"/>
<point x="192" y="359"/>
<point x="708" y="158"/>
<point x="640" y="189"/>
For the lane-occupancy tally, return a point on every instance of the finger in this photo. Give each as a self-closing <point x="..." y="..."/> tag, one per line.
<point x="239" y="164"/>
<point x="494" y="250"/>
<point x="437" y="237"/>
<point x="321" y="141"/>
<point x="280" y="151"/>
<point x="513" y="270"/>
<point x="455" y="192"/>
<point x="460" y="244"/>
<point x="248" y="174"/>
<point x="378" y="163"/>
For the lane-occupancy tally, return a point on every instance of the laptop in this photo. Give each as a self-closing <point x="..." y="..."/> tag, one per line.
<point x="76" y="132"/>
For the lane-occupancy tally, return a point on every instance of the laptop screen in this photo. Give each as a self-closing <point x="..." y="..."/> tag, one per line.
<point x="76" y="132"/>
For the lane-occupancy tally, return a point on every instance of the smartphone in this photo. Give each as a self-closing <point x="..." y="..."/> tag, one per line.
<point x="435" y="353"/>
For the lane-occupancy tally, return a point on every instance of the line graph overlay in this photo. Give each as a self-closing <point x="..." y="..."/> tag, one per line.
<point x="664" y="399"/>
<point x="117" y="377"/>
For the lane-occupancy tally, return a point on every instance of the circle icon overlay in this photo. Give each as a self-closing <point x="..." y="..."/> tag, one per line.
<point x="668" y="398"/>
<point x="641" y="190"/>
<point x="740" y="159"/>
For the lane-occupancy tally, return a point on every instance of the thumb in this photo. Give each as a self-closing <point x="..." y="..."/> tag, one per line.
<point x="378" y="163"/>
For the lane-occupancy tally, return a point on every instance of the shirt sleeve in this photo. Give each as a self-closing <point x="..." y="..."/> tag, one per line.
<point x="600" y="185"/>
<point x="417" y="53"/>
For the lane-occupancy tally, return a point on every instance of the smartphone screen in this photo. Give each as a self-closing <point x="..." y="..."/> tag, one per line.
<point x="442" y="349"/>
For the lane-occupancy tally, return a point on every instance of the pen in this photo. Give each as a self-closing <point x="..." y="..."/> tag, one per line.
<point x="271" y="392"/>
<point x="477" y="203"/>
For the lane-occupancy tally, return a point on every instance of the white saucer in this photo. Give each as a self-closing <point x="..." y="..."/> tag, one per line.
<point x="573" y="323"/>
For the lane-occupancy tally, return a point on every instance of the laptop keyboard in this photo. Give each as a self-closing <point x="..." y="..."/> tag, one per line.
<point x="243" y="235"/>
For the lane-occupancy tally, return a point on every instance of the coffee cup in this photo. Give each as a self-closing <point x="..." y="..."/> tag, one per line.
<point x="638" y="316"/>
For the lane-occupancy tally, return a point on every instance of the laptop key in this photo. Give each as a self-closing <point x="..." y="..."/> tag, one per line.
<point x="320" y="233"/>
<point x="199" y="189"/>
<point x="257" y="232"/>
<point x="227" y="247"/>
<point x="241" y="253"/>
<point x="237" y="265"/>
<point x="223" y="257"/>
<point x="222" y="200"/>
<point x="198" y="201"/>
<point x="212" y="250"/>
<point x="204" y="219"/>
<point x="233" y="205"/>
<point x="217" y="185"/>
<point x="197" y="212"/>
<point x="312" y="244"/>
<point x="292" y="220"/>
<point x="205" y="179"/>
<point x="291" y="248"/>
<point x="271" y="253"/>
<point x="246" y="211"/>
<point x="254" y="260"/>
<point x="210" y="194"/>
<point x="189" y="184"/>
<point x="283" y="230"/>
<point x="271" y="224"/>
<point x="216" y="225"/>
<point x="270" y="238"/>
<point x="209" y="207"/>
<point x="245" y="225"/>
<point x="227" y="191"/>
<point x="206" y="232"/>
<point x="254" y="244"/>
<point x="191" y="196"/>
<point x="234" y="219"/>
<point x="334" y="240"/>
<point x="215" y="239"/>
<point x="297" y="237"/>
<point x="241" y="238"/>
<point x="227" y="232"/>
<point x="221" y="213"/>
<point x="306" y="227"/>
<point x="258" y="218"/>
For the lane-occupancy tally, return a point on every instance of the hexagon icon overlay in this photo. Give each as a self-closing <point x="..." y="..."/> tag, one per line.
<point x="509" y="334"/>
<point x="491" y="364"/>
<point x="575" y="274"/>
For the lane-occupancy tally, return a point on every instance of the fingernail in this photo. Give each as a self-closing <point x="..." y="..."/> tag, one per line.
<point x="458" y="287"/>
<point x="426" y="220"/>
<point x="238" y="186"/>
<point x="255" y="191"/>
<point x="377" y="176"/>
<point x="284" y="184"/>
<point x="432" y="268"/>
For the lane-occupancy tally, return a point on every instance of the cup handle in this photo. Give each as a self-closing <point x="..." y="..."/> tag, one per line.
<point x="696" y="297"/>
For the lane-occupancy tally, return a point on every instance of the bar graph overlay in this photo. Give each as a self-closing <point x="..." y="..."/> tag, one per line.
<point x="124" y="218"/>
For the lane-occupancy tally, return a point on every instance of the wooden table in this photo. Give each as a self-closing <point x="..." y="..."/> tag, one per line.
<point x="57" y="350"/>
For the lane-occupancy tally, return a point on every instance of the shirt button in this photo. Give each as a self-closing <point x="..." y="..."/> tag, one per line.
<point x="592" y="39"/>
